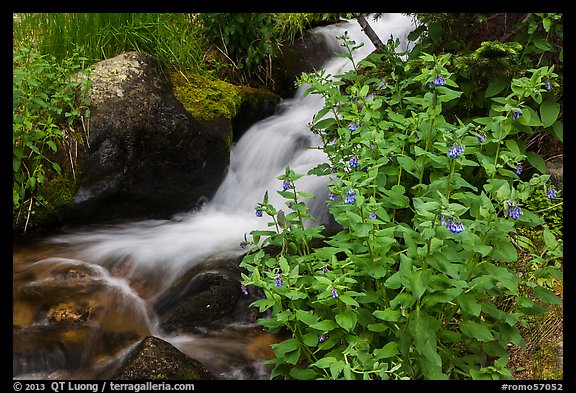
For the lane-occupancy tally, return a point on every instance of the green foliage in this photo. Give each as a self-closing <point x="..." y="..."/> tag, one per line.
<point x="429" y="205"/>
<point x="246" y="39"/>
<point x="45" y="105"/>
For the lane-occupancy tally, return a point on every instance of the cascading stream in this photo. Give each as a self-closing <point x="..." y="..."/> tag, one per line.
<point x="161" y="250"/>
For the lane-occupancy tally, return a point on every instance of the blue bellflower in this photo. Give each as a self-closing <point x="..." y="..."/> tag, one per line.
<point x="353" y="162"/>
<point x="439" y="81"/>
<point x="455" y="151"/>
<point x="350" y="197"/>
<point x="278" y="280"/>
<point x="514" y="210"/>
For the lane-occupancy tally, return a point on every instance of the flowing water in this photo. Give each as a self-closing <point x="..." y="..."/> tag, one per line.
<point x="114" y="299"/>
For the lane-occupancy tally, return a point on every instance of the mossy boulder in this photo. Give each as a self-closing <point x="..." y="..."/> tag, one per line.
<point x="145" y="156"/>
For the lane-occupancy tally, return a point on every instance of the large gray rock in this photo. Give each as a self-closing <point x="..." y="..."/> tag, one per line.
<point x="144" y="156"/>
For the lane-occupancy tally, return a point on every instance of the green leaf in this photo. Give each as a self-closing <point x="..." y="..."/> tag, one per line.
<point x="362" y="229"/>
<point x="537" y="162"/>
<point x="469" y="304"/>
<point x="558" y="129"/>
<point x="348" y="300"/>
<point x="389" y="315"/>
<point x="549" y="111"/>
<point x="336" y="368"/>
<point x="547" y="296"/>
<point x="529" y="117"/>
<point x="325" y="326"/>
<point x="325" y="362"/>
<point x="504" y="250"/>
<point x="419" y="282"/>
<point x="476" y="330"/>
<point x="303" y="373"/>
<point x="387" y="351"/>
<point x="496" y="86"/>
<point x="347" y="320"/>
<point x="307" y="317"/>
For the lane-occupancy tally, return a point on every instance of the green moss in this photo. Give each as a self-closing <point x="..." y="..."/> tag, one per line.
<point x="57" y="192"/>
<point x="206" y="98"/>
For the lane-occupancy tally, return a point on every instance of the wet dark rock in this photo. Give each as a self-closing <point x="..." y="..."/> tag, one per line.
<point x="208" y="295"/>
<point x="156" y="359"/>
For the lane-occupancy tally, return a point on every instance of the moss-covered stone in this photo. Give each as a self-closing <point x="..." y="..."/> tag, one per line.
<point x="205" y="98"/>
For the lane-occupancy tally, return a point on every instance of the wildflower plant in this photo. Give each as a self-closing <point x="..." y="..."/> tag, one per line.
<point x="410" y="285"/>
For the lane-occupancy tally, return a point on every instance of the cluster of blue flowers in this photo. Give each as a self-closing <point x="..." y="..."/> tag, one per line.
<point x="454" y="225"/>
<point x="278" y="280"/>
<point x="331" y="196"/>
<point x="353" y="162"/>
<point x="514" y="210"/>
<point x="519" y="168"/>
<point x="455" y="150"/>
<point x="352" y="127"/>
<point x="258" y="213"/>
<point x="439" y="81"/>
<point x="286" y="185"/>
<point x="350" y="197"/>
<point x="551" y="192"/>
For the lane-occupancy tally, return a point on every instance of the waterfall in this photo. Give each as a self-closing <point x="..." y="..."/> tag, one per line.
<point x="257" y="159"/>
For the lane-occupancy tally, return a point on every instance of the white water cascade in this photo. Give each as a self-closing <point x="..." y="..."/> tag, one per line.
<point x="262" y="154"/>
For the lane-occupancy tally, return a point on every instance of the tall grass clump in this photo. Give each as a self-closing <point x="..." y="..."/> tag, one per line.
<point x="172" y="38"/>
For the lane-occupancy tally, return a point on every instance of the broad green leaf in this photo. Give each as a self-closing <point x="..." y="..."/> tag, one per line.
<point x="476" y="330"/>
<point x="389" y="314"/>
<point x="303" y="373"/>
<point x="387" y="351"/>
<point x="419" y="280"/>
<point x="529" y="117"/>
<point x="325" y="326"/>
<point x="547" y="296"/>
<point x="549" y="111"/>
<point x="469" y="304"/>
<point x="537" y="162"/>
<point x="347" y="320"/>
<point x="496" y="86"/>
<point x="504" y="250"/>
<point x="348" y="300"/>
<point x="325" y="362"/>
<point x="307" y="317"/>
